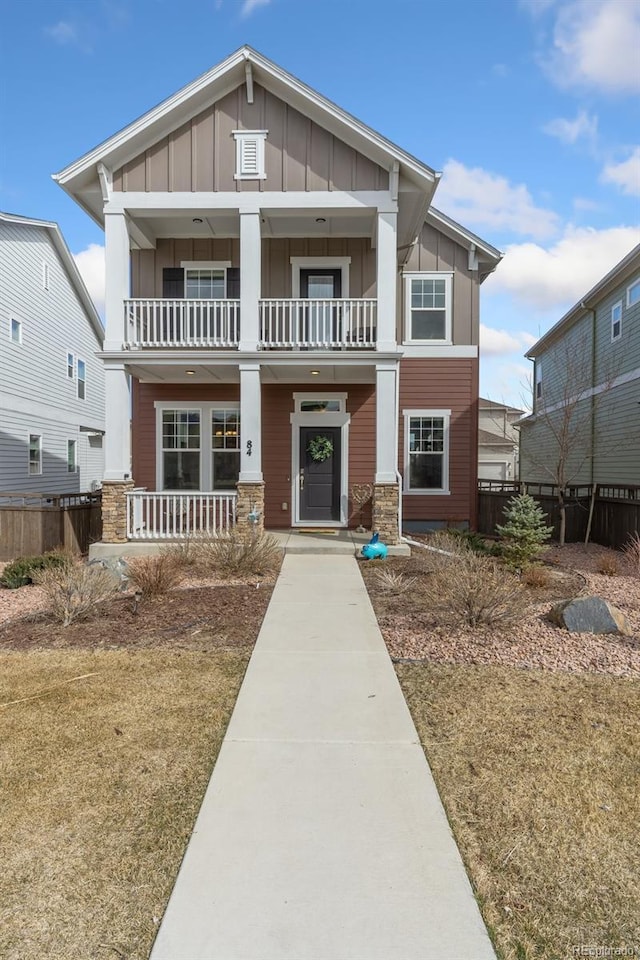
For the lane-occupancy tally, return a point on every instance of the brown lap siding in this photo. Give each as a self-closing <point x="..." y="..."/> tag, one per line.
<point x="445" y="384"/>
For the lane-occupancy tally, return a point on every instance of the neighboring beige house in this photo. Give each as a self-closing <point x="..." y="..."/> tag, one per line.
<point x="286" y="313"/>
<point x="498" y="440"/>
<point x="587" y="388"/>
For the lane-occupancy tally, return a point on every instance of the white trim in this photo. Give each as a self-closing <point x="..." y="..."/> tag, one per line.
<point x="205" y="408"/>
<point x="408" y="278"/>
<point x="616" y="306"/>
<point x="205" y="264"/>
<point x="251" y="202"/>
<point x="443" y="351"/>
<point x="242" y="137"/>
<point x="310" y="419"/>
<point x="40" y="437"/>
<point x="446" y="417"/>
<point x="636" y="283"/>
<point x="72" y="375"/>
<point x="308" y="263"/>
<point x="620" y="381"/>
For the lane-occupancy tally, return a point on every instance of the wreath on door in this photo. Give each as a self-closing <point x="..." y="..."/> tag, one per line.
<point x="320" y="448"/>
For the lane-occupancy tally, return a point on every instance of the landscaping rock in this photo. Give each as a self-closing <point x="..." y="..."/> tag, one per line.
<point x="590" y="615"/>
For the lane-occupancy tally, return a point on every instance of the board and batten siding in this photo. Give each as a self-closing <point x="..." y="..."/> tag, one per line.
<point x="36" y="395"/>
<point x="147" y="265"/>
<point x="436" y="252"/>
<point x="444" y="384"/>
<point x="201" y="154"/>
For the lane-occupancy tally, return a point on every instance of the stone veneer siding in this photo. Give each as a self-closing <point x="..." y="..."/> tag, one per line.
<point x="250" y="496"/>
<point x="114" y="510"/>
<point x="385" y="512"/>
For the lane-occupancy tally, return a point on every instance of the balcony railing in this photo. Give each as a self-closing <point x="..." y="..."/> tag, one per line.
<point x="182" y="323"/>
<point x="176" y="516"/>
<point x="284" y="324"/>
<point x="318" y="324"/>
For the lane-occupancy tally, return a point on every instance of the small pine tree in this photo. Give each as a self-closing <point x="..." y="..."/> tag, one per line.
<point x="525" y="531"/>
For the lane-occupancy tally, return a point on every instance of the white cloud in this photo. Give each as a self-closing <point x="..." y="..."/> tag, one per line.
<point x="557" y="277"/>
<point x="585" y="203"/>
<point x="595" y="44"/>
<point x="249" y="6"/>
<point x="479" y="198"/>
<point x="625" y="175"/>
<point x="63" y="32"/>
<point x="569" y="131"/>
<point x="497" y="342"/>
<point x="90" y="263"/>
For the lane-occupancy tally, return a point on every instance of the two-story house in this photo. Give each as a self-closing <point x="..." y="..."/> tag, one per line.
<point x="498" y="440"/>
<point x="292" y="314"/>
<point x="585" y="424"/>
<point x="51" y="380"/>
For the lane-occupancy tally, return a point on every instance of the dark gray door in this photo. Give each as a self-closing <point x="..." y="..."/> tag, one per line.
<point x="320" y="480"/>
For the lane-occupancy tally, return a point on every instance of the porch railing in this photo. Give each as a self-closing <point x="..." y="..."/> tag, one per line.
<point x="318" y="323"/>
<point x="175" y="516"/>
<point x="182" y="323"/>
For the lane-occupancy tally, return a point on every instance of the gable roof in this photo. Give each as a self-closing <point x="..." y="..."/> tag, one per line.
<point x="68" y="263"/>
<point x="625" y="268"/>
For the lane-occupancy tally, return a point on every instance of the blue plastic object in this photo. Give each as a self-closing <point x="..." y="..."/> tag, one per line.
<point x="375" y="549"/>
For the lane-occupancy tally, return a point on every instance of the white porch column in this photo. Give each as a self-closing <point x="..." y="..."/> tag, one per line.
<point x="250" y="279"/>
<point x="117" y="273"/>
<point x="117" y="439"/>
<point x="387" y="272"/>
<point x="250" y="423"/>
<point x="386" y="422"/>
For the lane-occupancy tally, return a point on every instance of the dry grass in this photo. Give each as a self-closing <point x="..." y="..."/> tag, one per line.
<point x="539" y="774"/>
<point x="154" y="576"/>
<point x="631" y="552"/>
<point x="74" y="590"/>
<point x="238" y="555"/>
<point x="102" y="779"/>
<point x="608" y="566"/>
<point x="389" y="581"/>
<point x="473" y="590"/>
<point x="535" y="576"/>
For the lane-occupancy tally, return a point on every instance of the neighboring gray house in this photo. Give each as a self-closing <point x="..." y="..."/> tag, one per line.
<point x="586" y="403"/>
<point x="497" y="440"/>
<point x="51" y="381"/>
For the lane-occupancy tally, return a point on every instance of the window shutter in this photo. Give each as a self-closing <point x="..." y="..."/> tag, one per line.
<point x="249" y="157"/>
<point x="173" y="283"/>
<point x="233" y="283"/>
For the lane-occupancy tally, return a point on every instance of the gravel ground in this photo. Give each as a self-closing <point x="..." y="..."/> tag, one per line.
<point x="535" y="643"/>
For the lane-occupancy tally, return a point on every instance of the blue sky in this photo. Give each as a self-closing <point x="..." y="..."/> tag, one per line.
<point x="530" y="108"/>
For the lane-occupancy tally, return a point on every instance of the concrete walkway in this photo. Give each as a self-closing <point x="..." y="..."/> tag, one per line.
<point x="321" y="835"/>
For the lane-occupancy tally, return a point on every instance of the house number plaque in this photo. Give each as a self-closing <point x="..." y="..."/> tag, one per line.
<point x="249" y="447"/>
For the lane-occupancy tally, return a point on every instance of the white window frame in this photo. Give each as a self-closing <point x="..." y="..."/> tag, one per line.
<point x="445" y="415"/>
<point x="45" y="275"/>
<point x="635" y="286"/>
<point x="205" y="409"/>
<point x="81" y="380"/>
<point x="445" y="275"/>
<point x="15" y="325"/>
<point x="330" y="263"/>
<point x="74" y="441"/>
<point x="242" y="137"/>
<point x="72" y="366"/>
<point x="616" y="307"/>
<point x="205" y="265"/>
<point x="537" y="382"/>
<point x="226" y="407"/>
<point x="30" y="472"/>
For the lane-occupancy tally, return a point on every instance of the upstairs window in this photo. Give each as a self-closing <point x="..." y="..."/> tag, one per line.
<point x="538" y="380"/>
<point x="72" y="459"/>
<point x="45" y="275"/>
<point x="82" y="380"/>
<point x="250" y="154"/>
<point x="71" y="366"/>
<point x="428" y="307"/>
<point x="616" y="321"/>
<point x="35" y="454"/>
<point x="16" y="331"/>
<point x="205" y="284"/>
<point x="633" y="293"/>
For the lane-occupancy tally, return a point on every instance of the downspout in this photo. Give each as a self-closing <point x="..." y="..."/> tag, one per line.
<point x="398" y="474"/>
<point x="592" y="438"/>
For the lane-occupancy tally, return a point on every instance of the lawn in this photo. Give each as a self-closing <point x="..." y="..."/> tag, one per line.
<point x="110" y="729"/>
<point x="533" y="736"/>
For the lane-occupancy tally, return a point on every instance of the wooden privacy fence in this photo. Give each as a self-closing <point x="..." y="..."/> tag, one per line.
<point x="32" y="523"/>
<point x="616" y="509"/>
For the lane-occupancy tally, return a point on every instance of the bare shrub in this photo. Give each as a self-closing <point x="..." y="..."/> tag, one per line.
<point x="388" y="581"/>
<point x="74" y="591"/>
<point x="472" y="590"/>
<point x="237" y="555"/>
<point x="535" y="576"/>
<point x="631" y="552"/>
<point x="441" y="549"/>
<point x="608" y="566"/>
<point x="155" y="575"/>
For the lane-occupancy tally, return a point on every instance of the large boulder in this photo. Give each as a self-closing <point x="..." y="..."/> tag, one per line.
<point x="590" y="615"/>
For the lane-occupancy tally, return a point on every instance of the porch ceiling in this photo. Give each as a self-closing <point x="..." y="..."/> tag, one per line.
<point x="180" y="224"/>
<point x="270" y="373"/>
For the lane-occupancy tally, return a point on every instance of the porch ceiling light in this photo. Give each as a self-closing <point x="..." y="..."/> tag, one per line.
<point x="314" y="373"/>
<point x="321" y="219"/>
<point x="190" y="373"/>
<point x="197" y="219"/>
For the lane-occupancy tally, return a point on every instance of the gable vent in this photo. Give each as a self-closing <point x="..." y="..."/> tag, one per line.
<point x="250" y="154"/>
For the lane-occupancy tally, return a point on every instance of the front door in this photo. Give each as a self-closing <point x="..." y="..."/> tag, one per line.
<point x="320" y="318"/>
<point x="320" y="474"/>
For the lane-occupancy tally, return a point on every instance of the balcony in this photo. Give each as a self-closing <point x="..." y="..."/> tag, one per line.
<point x="302" y="324"/>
